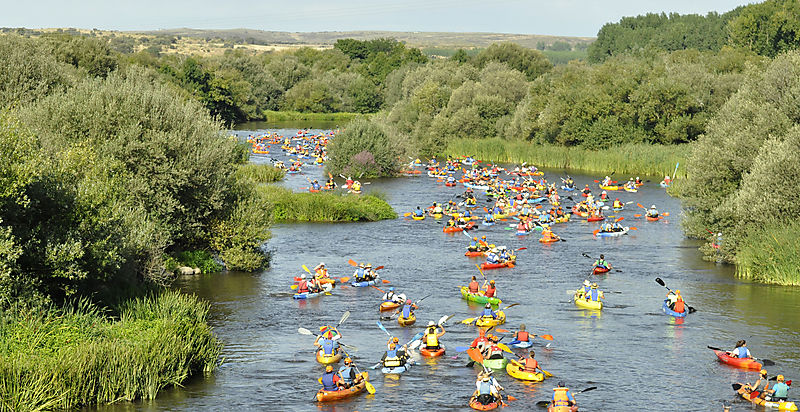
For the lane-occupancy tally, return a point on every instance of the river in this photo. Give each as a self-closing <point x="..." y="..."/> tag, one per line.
<point x="638" y="358"/>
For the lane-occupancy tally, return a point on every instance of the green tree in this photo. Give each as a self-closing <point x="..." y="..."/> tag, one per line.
<point x="528" y="61"/>
<point x="767" y="28"/>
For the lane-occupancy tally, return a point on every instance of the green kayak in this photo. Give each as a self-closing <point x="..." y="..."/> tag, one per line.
<point x="478" y="298"/>
<point x="495" y="363"/>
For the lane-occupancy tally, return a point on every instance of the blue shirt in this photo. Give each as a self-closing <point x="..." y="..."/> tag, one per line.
<point x="781" y="390"/>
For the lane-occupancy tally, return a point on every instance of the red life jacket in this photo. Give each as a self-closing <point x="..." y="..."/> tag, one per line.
<point x="474" y="287"/>
<point x="679" y="306"/>
<point x="302" y="287"/>
<point x="490" y="291"/>
<point x="523" y="336"/>
<point x="480" y="339"/>
<point x="531" y="365"/>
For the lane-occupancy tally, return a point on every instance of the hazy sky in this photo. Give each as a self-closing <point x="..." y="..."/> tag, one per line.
<point x="557" y="17"/>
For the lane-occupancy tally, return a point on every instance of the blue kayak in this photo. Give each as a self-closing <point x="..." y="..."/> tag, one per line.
<point x="523" y="233"/>
<point x="485" y="223"/>
<point x="307" y="295"/>
<point x="397" y="370"/>
<point x="363" y="284"/>
<point x="670" y="312"/>
<point x="520" y="345"/>
<point x="568" y="189"/>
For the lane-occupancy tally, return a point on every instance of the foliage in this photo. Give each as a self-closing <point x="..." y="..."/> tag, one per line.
<point x="28" y="71"/>
<point x="753" y="140"/>
<point x="364" y="149"/>
<point x="66" y="358"/>
<point x="86" y="53"/>
<point x="259" y="173"/>
<point x="528" y="61"/>
<point x="200" y="259"/>
<point x="769" y="253"/>
<point x="286" y="206"/>
<point x="767" y="28"/>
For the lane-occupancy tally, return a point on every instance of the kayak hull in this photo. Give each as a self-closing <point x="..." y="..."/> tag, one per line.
<point x="486" y="322"/>
<point x="609" y="187"/>
<point x="474" y="404"/>
<point x="431" y="353"/>
<point x="397" y="370"/>
<point x="613" y="234"/>
<point x="781" y="406"/>
<point x="562" y="409"/>
<point x="581" y="302"/>
<point x="328" y="359"/>
<point x="599" y="270"/>
<point x="653" y="219"/>
<point x="515" y="371"/>
<point x="364" y="284"/>
<point x="520" y="345"/>
<point x="495" y="363"/>
<point x="328" y="396"/>
<point x="595" y="218"/>
<point x="388" y="306"/>
<point x="473" y="254"/>
<point x="548" y="240"/>
<point x="670" y="312"/>
<point x="478" y="298"/>
<point x="486" y="265"/>
<point x="406" y="321"/>
<point x="418" y="217"/>
<point x="744" y="363"/>
<point x="306" y="295"/>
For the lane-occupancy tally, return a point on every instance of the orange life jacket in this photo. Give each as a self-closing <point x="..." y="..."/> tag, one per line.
<point x="474" y="287"/>
<point x="302" y="287"/>
<point x="531" y="364"/>
<point x="523" y="336"/>
<point x="490" y="290"/>
<point x="679" y="305"/>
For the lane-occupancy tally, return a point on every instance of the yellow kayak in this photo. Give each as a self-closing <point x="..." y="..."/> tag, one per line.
<point x="407" y="321"/>
<point x="483" y="322"/>
<point x="515" y="371"/>
<point x="581" y="302"/>
<point x="328" y="359"/>
<point x="609" y="187"/>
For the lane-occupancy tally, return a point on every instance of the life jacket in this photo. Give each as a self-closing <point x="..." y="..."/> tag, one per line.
<point x="531" y="365"/>
<point x="487" y="312"/>
<point x="347" y="373"/>
<point x="391" y="360"/>
<point x="474" y="286"/>
<point x="360" y="272"/>
<point x="679" y="305"/>
<point x="602" y="263"/>
<point x="492" y="258"/>
<point x="302" y="287"/>
<point x="560" y="397"/>
<point x="329" y="381"/>
<point x="490" y="290"/>
<point x="431" y="340"/>
<point x="356" y="186"/>
<point x="523" y="336"/>
<point x="407" y="311"/>
<point x="328" y="346"/>
<point x="477" y="342"/>
<point x="586" y="289"/>
<point x="594" y="294"/>
<point x="388" y="297"/>
<point x="617" y="204"/>
<point x="485" y="388"/>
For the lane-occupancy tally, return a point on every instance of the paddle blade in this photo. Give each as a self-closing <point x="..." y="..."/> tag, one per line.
<point x="660" y="282"/>
<point x="467" y="321"/>
<point x="547" y="374"/>
<point x="633" y="228"/>
<point x="542" y="404"/>
<point x="293" y="287"/>
<point x="502" y="330"/>
<point x="297" y="278"/>
<point x="475" y="355"/>
<point x="596" y="232"/>
<point x="370" y="388"/>
<point x="504" y="347"/>
<point x="344" y="317"/>
<point x="304" y="331"/>
<point x="665" y="214"/>
<point x="385" y="281"/>
<point x="407" y="214"/>
<point x="736" y="386"/>
<point x="306" y="269"/>
<point x="640" y="205"/>
<point x="352" y="262"/>
<point x="511" y="398"/>
<point x="620" y="218"/>
<point x="379" y="267"/>
<point x="637" y="215"/>
<point x="546" y="337"/>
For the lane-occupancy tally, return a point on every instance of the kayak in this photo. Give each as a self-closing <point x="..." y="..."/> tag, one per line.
<point x="431" y="353"/>
<point x="486" y="265"/>
<point x="478" y="298"/>
<point x="599" y="270"/>
<point x="520" y="345"/>
<point x="476" y="187"/>
<point x="586" y="304"/>
<point x="450" y="184"/>
<point x="327" y="359"/>
<point x="562" y="408"/>
<point x="474" y="404"/>
<point x="364" y="283"/>
<point x="781" y="406"/>
<point x="389" y="306"/>
<point x="630" y="189"/>
<point x="407" y="321"/>
<point x="609" y="187"/>
<point x="307" y="295"/>
<point x="613" y="234"/>
<point x="664" y="184"/>
<point x="568" y="189"/>
<point x="653" y="219"/>
<point x="522" y="233"/>
<point x="513" y="370"/>
<point x="501" y="319"/>
<point x="473" y="254"/>
<point x="418" y="217"/>
<point x="562" y="219"/>
<point x="744" y="363"/>
<point x="327" y="396"/>
<point x="485" y="223"/>
<point x="451" y="229"/>
<point x="549" y="240"/>
<point x="670" y="312"/>
<point x="595" y="218"/>
<point x="495" y="363"/>
<point x="396" y="370"/>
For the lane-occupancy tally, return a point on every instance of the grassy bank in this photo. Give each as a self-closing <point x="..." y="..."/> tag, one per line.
<point x="287" y="116"/>
<point x="642" y="159"/>
<point x="769" y="254"/>
<point x="70" y="357"/>
<point x="259" y="173"/>
<point x="286" y="206"/>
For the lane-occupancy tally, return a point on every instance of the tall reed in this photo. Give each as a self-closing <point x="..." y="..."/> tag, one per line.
<point x="769" y="254"/>
<point x="287" y="206"/>
<point x="259" y="173"/>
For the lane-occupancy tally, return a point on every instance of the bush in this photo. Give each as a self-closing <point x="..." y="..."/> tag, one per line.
<point x="363" y="149"/>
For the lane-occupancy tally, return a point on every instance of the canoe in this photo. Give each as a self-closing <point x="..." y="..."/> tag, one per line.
<point x="473" y="254"/>
<point x="451" y="229"/>
<point x="478" y="298"/>
<point x="548" y="240"/>
<point x="653" y="219"/>
<point x="781" y="406"/>
<point x="520" y="345"/>
<point x="744" y="363"/>
<point x="599" y="270"/>
<point x="486" y="265"/>
<point x="595" y="218"/>
<point x="501" y="319"/>
<point x="474" y="404"/>
<point x="670" y="312"/>
<point x="431" y="353"/>
<point x="389" y="306"/>
<point x="363" y="284"/>
<point x="406" y="321"/>
<point x="307" y="295"/>
<point x="586" y="304"/>
<point x="609" y="187"/>
<point x="328" y="359"/>
<point x="397" y="370"/>
<point x="327" y="396"/>
<point x="418" y="217"/>
<point x="495" y="363"/>
<point x="613" y="234"/>
<point x="513" y="370"/>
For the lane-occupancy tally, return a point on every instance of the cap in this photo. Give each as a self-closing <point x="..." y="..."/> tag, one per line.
<point x="780" y="378"/>
<point x="329" y="368"/>
<point x="492" y="281"/>
<point x="303" y="276"/>
<point x="392" y="346"/>
<point x="587" y="283"/>
<point x="408" y="301"/>
<point x="391" y="289"/>
<point x="594" y="285"/>
<point x="348" y="360"/>
<point x="653" y="207"/>
<point x="430" y="323"/>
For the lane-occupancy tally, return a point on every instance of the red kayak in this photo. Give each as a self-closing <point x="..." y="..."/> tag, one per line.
<point x="744" y="363"/>
<point x="595" y="218"/>
<point x="451" y="184"/>
<point x="431" y="353"/>
<point x="598" y="270"/>
<point x="451" y="229"/>
<point x="474" y="404"/>
<point x="653" y="219"/>
<point x="473" y="254"/>
<point x="486" y="265"/>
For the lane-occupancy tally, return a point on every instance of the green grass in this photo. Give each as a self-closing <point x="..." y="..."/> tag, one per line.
<point x="286" y="206"/>
<point x="259" y="173"/>
<point x="641" y="159"/>
<point x="769" y="254"/>
<point x="285" y="116"/>
<point x="565" y="56"/>
<point x="66" y="358"/>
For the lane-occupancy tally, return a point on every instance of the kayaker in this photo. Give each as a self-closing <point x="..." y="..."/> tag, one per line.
<point x="488" y="312"/>
<point x="330" y="332"/>
<point x="392" y="340"/>
<point x="667" y="180"/>
<point x="393" y="357"/>
<point x="315" y="185"/>
<point x="437" y="210"/>
<point x="360" y="273"/>
<point x="594" y="294"/>
<point x="407" y="309"/>
<point x="505" y="255"/>
<point x="302" y="287"/>
<point x="491" y="290"/>
<point x="760" y="386"/>
<point x="586" y="190"/>
<point x="321" y="271"/>
<point x="604" y="195"/>
<point x="740" y="351"/>
<point x="487" y="389"/>
<point x="369" y="272"/>
<point x="530" y="364"/>
<point x="480" y="342"/>
<point x="328" y="346"/>
<point x="474" y="286"/>
<point x="484" y="245"/>
<point x="601" y="263"/>
<point x="389" y="296"/>
<point x="562" y="398"/>
<point x="618" y="204"/>
<point x="432" y="335"/>
<point x="314" y="286"/>
<point x="587" y="286"/>
<point x="330" y="380"/>
<point x="451" y="222"/>
<point x="652" y="212"/>
<point x="473" y="246"/>
<point x="548" y="234"/>
<point x="676" y="302"/>
<point x="521" y="335"/>
<point x="356" y="186"/>
<point x="349" y="373"/>
<point x="419" y="212"/>
<point x="779" y="391"/>
<point x="491" y="256"/>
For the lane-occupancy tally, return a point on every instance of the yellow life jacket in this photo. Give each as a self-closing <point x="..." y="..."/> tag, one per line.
<point x="356" y="187"/>
<point x="431" y="340"/>
<point x="391" y="362"/>
<point x="560" y="397"/>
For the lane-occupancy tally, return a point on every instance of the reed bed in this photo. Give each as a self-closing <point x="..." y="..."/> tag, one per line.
<point x="259" y="173"/>
<point x="66" y="358"/>
<point x="287" y="206"/>
<point x="284" y="116"/>
<point x="639" y="158"/>
<point x="769" y="254"/>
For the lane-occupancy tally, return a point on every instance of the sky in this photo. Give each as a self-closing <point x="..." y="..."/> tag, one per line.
<point x="553" y="17"/>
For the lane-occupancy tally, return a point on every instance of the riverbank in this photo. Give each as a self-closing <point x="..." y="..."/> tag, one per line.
<point x="288" y="116"/>
<point x="286" y="206"/>
<point x="640" y="158"/>
<point x="65" y="358"/>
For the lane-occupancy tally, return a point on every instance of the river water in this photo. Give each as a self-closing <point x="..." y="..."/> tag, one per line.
<point x="638" y="358"/>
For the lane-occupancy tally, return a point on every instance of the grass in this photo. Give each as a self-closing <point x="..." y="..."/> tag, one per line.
<point x="769" y="254"/>
<point x="66" y="358"/>
<point x="640" y="158"/>
<point x="565" y="56"/>
<point x="259" y="173"/>
<point x="284" y="116"/>
<point x="286" y="206"/>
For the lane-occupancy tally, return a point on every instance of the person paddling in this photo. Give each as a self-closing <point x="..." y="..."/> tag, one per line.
<point x="432" y="335"/>
<point x="562" y="398"/>
<point x="330" y="380"/>
<point x="530" y="364"/>
<point x="419" y="212"/>
<point x="676" y="302"/>
<point x="348" y="374"/>
<point x="652" y="212"/>
<point x="481" y="341"/>
<point x="521" y="335"/>
<point x="601" y="263"/>
<point x="488" y="312"/>
<point x="779" y="391"/>
<point x="360" y="274"/>
<point x="394" y="357"/>
<point x="302" y="287"/>
<point x="759" y="387"/>
<point x="491" y="290"/>
<point x="594" y="294"/>
<point x="618" y="204"/>
<point x="740" y="351"/>
<point x="407" y="310"/>
<point x="474" y="286"/>
<point x="487" y="390"/>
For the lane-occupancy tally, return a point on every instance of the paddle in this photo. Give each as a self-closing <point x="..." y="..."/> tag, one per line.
<point x="520" y="365"/>
<point x="765" y="362"/>
<point x="401" y="309"/>
<point x="545" y="403"/>
<point x="304" y="331"/>
<point x="661" y="282"/>
<point x="380" y="325"/>
<point x="468" y="321"/>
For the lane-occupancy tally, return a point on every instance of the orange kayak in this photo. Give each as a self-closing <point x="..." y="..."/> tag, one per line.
<point x="474" y="404"/>
<point x="653" y="219"/>
<point x="548" y="240"/>
<point x="431" y="353"/>
<point x="327" y="396"/>
<point x="744" y="363"/>
<point x="486" y="265"/>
